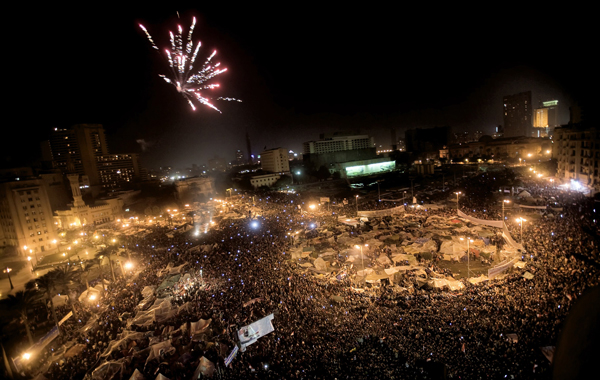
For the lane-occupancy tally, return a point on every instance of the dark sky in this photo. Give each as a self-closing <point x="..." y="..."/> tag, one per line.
<point x="300" y="69"/>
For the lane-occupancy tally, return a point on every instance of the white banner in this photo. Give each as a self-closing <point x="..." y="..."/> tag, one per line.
<point x="491" y="223"/>
<point x="493" y="272"/>
<point x="386" y="212"/>
<point x="536" y="207"/>
<point x="231" y="356"/>
<point x="65" y="318"/>
<point x="250" y="334"/>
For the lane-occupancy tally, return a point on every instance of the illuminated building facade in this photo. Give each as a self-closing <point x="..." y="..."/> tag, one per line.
<point x="525" y="148"/>
<point x="337" y="142"/>
<point x="578" y="155"/>
<point x="364" y="167"/>
<point x="545" y="119"/>
<point x="118" y="171"/>
<point x="518" y="114"/>
<point x="26" y="221"/>
<point x="275" y="160"/>
<point x="264" y="180"/>
<point x="80" y="214"/>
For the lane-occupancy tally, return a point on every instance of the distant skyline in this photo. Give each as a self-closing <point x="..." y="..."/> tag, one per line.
<point x="299" y="72"/>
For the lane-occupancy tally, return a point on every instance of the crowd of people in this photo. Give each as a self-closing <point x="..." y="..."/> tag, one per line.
<point x="491" y="330"/>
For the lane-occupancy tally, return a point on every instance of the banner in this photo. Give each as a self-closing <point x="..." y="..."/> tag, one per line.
<point x="38" y="347"/>
<point x="324" y="199"/>
<point x="65" y="318"/>
<point x="251" y="333"/>
<point x="493" y="272"/>
<point x="535" y="207"/>
<point x="491" y="223"/>
<point x="387" y="212"/>
<point x="231" y="355"/>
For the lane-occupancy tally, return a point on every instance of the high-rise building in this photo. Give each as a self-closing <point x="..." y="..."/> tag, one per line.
<point x="578" y="154"/>
<point x="518" y="113"/>
<point x="118" y="171"/>
<point x="76" y="151"/>
<point x="26" y="221"/>
<point x="545" y="119"/>
<point x="337" y="142"/>
<point x="275" y="160"/>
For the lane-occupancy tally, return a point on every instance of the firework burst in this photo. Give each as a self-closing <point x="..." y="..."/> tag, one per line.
<point x="181" y="57"/>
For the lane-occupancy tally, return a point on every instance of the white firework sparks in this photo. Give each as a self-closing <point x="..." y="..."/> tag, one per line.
<point x="181" y="58"/>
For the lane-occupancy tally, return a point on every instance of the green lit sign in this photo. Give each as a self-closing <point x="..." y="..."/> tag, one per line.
<point x="353" y="171"/>
<point x="550" y="103"/>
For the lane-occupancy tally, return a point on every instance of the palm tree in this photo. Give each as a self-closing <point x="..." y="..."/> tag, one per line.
<point x="64" y="276"/>
<point x="47" y="285"/>
<point x="97" y="260"/>
<point x="20" y="303"/>
<point x="108" y="252"/>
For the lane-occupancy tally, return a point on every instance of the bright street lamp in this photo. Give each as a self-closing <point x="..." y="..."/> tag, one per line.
<point x="468" y="255"/>
<point x="520" y="221"/>
<point x="457" y="194"/>
<point x="361" y="254"/>
<point x="7" y="271"/>
<point x="503" y="202"/>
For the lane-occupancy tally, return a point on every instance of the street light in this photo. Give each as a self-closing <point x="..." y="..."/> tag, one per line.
<point x="457" y="194"/>
<point x="7" y="271"/>
<point x="29" y="259"/>
<point x="361" y="255"/>
<point x="521" y="220"/>
<point x="468" y="255"/>
<point x="503" y="202"/>
<point x="357" y="205"/>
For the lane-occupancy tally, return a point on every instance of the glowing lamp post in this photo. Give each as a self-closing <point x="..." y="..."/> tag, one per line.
<point x="457" y="194"/>
<point x="469" y="241"/>
<point x="521" y="220"/>
<point x="7" y="271"/>
<point x="361" y="254"/>
<point x="503" y="202"/>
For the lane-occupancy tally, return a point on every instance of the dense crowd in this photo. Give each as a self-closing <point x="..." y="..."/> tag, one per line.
<point x="386" y="335"/>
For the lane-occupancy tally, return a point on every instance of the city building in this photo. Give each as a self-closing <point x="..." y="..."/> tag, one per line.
<point x="578" y="155"/>
<point x="337" y="142"/>
<point x="76" y="151"/>
<point x="521" y="147"/>
<point x="518" y="114"/>
<point x="338" y="148"/>
<point x="275" y="160"/>
<point x="264" y="180"/>
<point x="545" y="119"/>
<point x="80" y="214"/>
<point x="26" y="222"/>
<point x="82" y="150"/>
<point x="118" y="171"/>
<point x="359" y="168"/>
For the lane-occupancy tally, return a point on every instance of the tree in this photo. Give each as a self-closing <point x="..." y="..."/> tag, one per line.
<point x="20" y="303"/>
<point x="65" y="275"/>
<point x="47" y="285"/>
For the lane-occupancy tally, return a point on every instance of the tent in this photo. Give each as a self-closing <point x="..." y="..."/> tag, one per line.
<point x="205" y="367"/>
<point x="320" y="264"/>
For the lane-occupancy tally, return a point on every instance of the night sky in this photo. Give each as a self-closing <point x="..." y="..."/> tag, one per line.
<point x="300" y="69"/>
